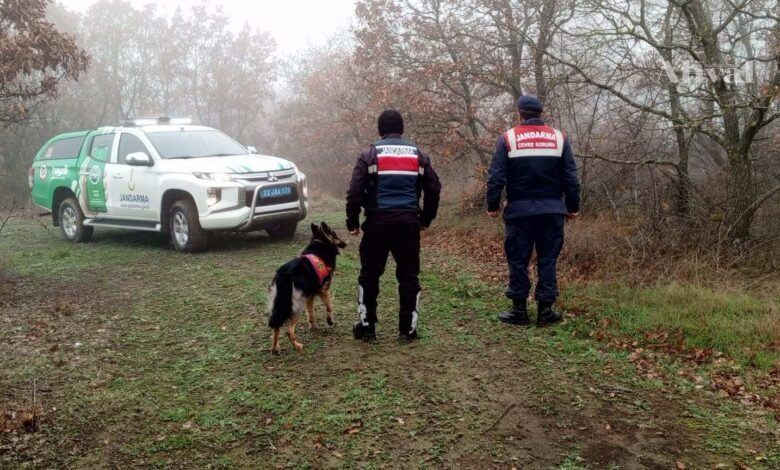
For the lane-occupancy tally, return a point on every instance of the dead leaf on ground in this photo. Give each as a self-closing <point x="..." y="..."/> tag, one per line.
<point x="354" y="427"/>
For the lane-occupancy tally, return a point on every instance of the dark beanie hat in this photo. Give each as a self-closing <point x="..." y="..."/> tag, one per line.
<point x="530" y="104"/>
<point x="390" y="122"/>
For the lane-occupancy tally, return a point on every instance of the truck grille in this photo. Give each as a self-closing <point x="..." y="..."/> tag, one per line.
<point x="264" y="176"/>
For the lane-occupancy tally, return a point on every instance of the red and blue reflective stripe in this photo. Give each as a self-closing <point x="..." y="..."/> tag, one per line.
<point x="397" y="159"/>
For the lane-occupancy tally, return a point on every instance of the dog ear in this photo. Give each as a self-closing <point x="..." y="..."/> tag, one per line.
<point x="325" y="228"/>
<point x="315" y="230"/>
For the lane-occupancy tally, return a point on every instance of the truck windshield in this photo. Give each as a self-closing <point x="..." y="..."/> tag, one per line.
<point x="194" y="144"/>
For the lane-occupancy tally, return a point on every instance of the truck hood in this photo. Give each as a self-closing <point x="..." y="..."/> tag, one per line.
<point x="237" y="164"/>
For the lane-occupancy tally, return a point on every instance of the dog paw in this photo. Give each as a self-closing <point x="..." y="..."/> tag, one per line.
<point x="298" y="346"/>
<point x="313" y="326"/>
<point x="275" y="352"/>
<point x="330" y="321"/>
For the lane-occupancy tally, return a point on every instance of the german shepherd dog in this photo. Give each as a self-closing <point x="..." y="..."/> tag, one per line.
<point x="298" y="281"/>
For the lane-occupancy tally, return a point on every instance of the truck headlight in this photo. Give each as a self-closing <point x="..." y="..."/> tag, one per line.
<point x="214" y="176"/>
<point x="213" y="196"/>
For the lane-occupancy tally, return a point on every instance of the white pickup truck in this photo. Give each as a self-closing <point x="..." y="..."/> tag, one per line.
<point x="166" y="176"/>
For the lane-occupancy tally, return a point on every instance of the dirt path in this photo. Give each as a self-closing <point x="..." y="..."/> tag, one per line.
<point x="145" y="358"/>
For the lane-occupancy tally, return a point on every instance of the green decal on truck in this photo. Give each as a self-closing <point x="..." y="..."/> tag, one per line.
<point x="92" y="178"/>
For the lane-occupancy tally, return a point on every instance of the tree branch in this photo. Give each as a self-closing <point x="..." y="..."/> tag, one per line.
<point x="4" y="220"/>
<point x="650" y="161"/>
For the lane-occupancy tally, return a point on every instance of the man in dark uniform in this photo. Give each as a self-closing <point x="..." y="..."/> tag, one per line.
<point x="535" y="163"/>
<point x="387" y="181"/>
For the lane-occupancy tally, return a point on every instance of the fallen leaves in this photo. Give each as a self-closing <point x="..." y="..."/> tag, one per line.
<point x="26" y="419"/>
<point x="727" y="385"/>
<point x="354" y="427"/>
<point x="488" y="249"/>
<point x="647" y="356"/>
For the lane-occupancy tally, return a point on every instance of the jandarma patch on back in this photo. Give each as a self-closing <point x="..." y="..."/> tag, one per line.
<point x="536" y="139"/>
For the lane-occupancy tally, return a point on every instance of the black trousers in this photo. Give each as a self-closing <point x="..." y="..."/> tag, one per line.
<point x="523" y="234"/>
<point x="402" y="240"/>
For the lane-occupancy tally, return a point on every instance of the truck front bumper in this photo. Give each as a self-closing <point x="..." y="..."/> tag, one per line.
<point x="266" y="216"/>
<point x="247" y="219"/>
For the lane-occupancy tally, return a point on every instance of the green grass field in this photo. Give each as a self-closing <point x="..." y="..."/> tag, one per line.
<point x="143" y="357"/>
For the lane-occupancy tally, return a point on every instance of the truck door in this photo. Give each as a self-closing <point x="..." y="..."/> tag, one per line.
<point x="92" y="175"/>
<point x="133" y="186"/>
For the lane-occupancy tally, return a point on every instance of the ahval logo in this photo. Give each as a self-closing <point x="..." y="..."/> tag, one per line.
<point x="694" y="73"/>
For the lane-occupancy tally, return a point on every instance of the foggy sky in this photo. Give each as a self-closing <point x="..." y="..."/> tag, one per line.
<point x="292" y="24"/>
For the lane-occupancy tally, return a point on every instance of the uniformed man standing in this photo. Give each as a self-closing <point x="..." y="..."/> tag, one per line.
<point x="387" y="181"/>
<point x="535" y="163"/>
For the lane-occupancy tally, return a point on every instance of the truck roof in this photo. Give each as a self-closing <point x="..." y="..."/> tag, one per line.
<point x="152" y="128"/>
<point x="169" y="128"/>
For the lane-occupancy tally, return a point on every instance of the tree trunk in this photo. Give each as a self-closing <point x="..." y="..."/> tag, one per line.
<point x="740" y="216"/>
<point x="546" y="16"/>
<point x="682" y="194"/>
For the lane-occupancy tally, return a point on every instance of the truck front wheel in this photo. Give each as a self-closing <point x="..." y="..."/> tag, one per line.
<point x="184" y="226"/>
<point x="283" y="230"/>
<point x="72" y="222"/>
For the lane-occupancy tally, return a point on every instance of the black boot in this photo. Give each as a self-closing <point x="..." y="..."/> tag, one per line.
<point x="547" y="316"/>
<point x="407" y="327"/>
<point x="407" y="337"/>
<point x="364" y="332"/>
<point x="517" y="316"/>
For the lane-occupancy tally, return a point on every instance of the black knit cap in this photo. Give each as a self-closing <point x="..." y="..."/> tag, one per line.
<point x="530" y="104"/>
<point x="390" y="122"/>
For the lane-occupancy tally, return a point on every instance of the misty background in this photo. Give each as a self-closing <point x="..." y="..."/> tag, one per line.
<point x="669" y="158"/>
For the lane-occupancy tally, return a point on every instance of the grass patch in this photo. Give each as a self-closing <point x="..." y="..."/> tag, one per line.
<point x="742" y="325"/>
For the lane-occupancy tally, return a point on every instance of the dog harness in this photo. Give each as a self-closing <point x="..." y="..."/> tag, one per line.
<point x="322" y="269"/>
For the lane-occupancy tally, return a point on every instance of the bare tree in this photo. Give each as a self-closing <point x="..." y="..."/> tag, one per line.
<point x="627" y="49"/>
<point x="7" y="216"/>
<point x="36" y="58"/>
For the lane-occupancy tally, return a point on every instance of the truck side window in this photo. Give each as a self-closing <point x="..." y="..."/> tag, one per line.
<point x="101" y="147"/>
<point x="128" y="143"/>
<point x="64" y="148"/>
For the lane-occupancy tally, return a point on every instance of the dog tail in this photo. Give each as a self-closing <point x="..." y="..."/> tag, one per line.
<point x="280" y="301"/>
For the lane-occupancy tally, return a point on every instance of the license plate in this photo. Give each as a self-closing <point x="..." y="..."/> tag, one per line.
<point x="272" y="193"/>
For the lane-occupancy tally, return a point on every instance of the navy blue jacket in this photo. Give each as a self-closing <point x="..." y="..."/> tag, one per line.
<point x="535" y="185"/>
<point x="395" y="198"/>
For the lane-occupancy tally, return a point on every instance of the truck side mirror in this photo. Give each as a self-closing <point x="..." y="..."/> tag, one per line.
<point x="138" y="159"/>
<point x="251" y="149"/>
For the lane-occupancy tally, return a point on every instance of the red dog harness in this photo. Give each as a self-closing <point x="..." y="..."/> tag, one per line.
<point x="322" y="269"/>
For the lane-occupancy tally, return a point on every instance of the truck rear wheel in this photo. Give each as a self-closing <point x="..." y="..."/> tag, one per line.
<point x="72" y="222"/>
<point x="184" y="226"/>
<point x="283" y="230"/>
